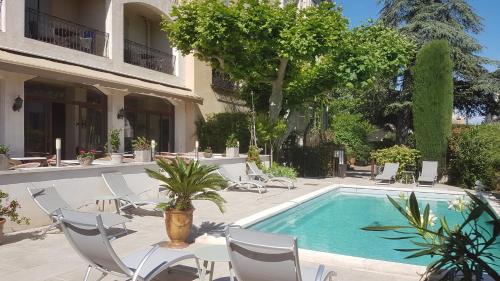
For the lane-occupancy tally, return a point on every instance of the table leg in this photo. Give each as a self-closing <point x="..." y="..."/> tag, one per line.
<point x="204" y="271"/>
<point x="231" y="277"/>
<point x="211" y="278"/>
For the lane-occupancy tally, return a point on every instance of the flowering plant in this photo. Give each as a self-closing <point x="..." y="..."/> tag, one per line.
<point x="86" y="154"/>
<point x="9" y="210"/>
<point x="463" y="251"/>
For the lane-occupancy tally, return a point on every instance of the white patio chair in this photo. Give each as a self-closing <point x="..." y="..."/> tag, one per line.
<point x="258" y="174"/>
<point x="388" y="174"/>
<point x="241" y="183"/>
<point x="429" y="173"/>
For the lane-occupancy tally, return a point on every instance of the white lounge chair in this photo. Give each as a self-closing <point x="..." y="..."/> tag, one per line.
<point x="118" y="186"/>
<point x="258" y="174"/>
<point x="388" y="174"/>
<point x="85" y="232"/>
<point x="429" y="173"/>
<point x="241" y="183"/>
<point x="49" y="200"/>
<point x="264" y="256"/>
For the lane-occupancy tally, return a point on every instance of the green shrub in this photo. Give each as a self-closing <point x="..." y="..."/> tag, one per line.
<point x="433" y="101"/>
<point x="216" y="129"/>
<point x="277" y="170"/>
<point x="475" y="155"/>
<point x="253" y="155"/>
<point x="232" y="141"/>
<point x="351" y="130"/>
<point x="405" y="156"/>
<point x="4" y="149"/>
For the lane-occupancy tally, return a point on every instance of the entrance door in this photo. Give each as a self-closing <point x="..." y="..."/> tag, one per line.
<point x="37" y="129"/>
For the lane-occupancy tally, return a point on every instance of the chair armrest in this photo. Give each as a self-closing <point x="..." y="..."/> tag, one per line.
<point x="143" y="261"/>
<point x="321" y="272"/>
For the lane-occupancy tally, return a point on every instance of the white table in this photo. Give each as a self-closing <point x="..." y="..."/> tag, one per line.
<point x="212" y="254"/>
<point x="110" y="197"/>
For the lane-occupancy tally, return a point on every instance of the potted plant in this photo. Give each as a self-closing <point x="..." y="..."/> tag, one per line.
<point x="142" y="149"/>
<point x="461" y="252"/>
<point x="114" y="145"/>
<point x="232" y="146"/>
<point x="9" y="210"/>
<point x="4" y="159"/>
<point x="85" y="158"/>
<point x="186" y="182"/>
<point x="208" y="153"/>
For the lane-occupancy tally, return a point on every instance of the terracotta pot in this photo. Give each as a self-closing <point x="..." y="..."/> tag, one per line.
<point x="85" y="161"/>
<point x="178" y="225"/>
<point x="2" y="222"/>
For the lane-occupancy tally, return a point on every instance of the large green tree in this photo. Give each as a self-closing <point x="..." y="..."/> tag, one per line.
<point x="433" y="100"/>
<point x="456" y="22"/>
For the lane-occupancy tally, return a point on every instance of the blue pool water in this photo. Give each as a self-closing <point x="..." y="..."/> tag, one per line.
<point x="332" y="223"/>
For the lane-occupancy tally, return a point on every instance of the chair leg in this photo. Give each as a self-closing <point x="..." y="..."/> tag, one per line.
<point x="104" y="274"/>
<point x="87" y="274"/>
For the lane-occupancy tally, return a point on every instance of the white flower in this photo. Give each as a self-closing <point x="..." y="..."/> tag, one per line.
<point x="432" y="219"/>
<point x="459" y="204"/>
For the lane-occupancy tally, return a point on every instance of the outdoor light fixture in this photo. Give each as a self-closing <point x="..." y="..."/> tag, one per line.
<point x="121" y="113"/>
<point x="18" y="103"/>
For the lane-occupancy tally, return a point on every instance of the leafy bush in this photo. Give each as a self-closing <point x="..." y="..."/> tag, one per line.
<point x="475" y="155"/>
<point x="253" y="155"/>
<point x="405" y="156"/>
<point x="216" y="129"/>
<point x="232" y="141"/>
<point x="114" y="140"/>
<point x="351" y="130"/>
<point x="141" y="143"/>
<point x="277" y="170"/>
<point x="4" y="149"/>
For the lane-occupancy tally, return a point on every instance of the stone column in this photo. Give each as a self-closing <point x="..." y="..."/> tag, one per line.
<point x="180" y="125"/>
<point x="116" y="102"/>
<point x="12" y="122"/>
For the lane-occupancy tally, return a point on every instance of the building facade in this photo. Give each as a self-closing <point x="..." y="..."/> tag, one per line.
<point x="74" y="69"/>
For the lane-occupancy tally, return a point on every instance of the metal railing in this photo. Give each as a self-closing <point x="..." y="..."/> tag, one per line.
<point x="222" y="81"/>
<point x="144" y="56"/>
<point x="50" y="29"/>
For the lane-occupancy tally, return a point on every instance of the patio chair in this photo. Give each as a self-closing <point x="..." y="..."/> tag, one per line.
<point x="389" y="173"/>
<point x="119" y="188"/>
<point x="265" y="256"/>
<point x="49" y="200"/>
<point x="86" y="234"/>
<point x="26" y="166"/>
<point x="258" y="174"/>
<point x="241" y="183"/>
<point x="429" y="173"/>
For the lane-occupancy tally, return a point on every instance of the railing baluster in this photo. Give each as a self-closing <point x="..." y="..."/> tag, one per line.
<point x="147" y="57"/>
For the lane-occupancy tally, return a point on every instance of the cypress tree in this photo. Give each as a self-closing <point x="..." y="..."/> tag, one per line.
<point x="433" y="100"/>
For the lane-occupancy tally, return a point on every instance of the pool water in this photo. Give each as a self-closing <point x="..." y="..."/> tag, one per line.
<point x="332" y="223"/>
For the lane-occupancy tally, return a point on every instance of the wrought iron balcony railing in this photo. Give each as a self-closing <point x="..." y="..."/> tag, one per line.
<point x="222" y="81"/>
<point x="144" y="56"/>
<point x="50" y="29"/>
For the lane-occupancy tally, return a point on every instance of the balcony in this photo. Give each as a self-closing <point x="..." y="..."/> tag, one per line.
<point x="222" y="81"/>
<point x="144" y="56"/>
<point x="57" y="31"/>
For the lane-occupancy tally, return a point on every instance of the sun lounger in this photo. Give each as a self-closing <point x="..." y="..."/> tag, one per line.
<point x="265" y="256"/>
<point x="429" y="173"/>
<point x="245" y="183"/>
<point x="119" y="187"/>
<point x="85" y="232"/>
<point x="389" y="173"/>
<point x="258" y="174"/>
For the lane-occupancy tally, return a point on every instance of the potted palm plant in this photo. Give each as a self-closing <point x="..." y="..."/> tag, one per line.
<point x="114" y="146"/>
<point x="4" y="159"/>
<point x="232" y="146"/>
<point x="142" y="149"/>
<point x="186" y="182"/>
<point x="9" y="210"/>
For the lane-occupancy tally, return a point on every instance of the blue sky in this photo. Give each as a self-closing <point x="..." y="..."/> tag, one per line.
<point x="359" y="11"/>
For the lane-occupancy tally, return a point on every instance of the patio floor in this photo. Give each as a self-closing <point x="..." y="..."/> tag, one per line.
<point x="29" y="256"/>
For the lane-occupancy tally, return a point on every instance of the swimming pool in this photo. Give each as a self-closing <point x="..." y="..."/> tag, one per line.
<point x="332" y="223"/>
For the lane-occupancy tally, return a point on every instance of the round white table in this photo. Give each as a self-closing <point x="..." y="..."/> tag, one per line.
<point x="212" y="254"/>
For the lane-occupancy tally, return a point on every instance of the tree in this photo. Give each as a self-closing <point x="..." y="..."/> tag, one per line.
<point x="456" y="22"/>
<point x="433" y="100"/>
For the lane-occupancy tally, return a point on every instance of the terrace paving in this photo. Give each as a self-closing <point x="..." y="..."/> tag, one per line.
<point x="28" y="256"/>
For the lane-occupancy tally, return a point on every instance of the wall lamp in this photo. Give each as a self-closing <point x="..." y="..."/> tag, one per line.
<point x="18" y="104"/>
<point x="121" y="113"/>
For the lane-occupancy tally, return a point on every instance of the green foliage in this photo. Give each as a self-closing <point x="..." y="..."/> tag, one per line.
<point x="462" y="250"/>
<point x="208" y="150"/>
<point x="268" y="131"/>
<point x="188" y="182"/>
<point x="141" y="143"/>
<point x="253" y="155"/>
<point x="475" y="155"/>
<point x="351" y="130"/>
<point x="216" y="129"/>
<point x="114" y="140"/>
<point x="232" y="141"/>
<point x="277" y="170"/>
<point x="405" y="156"/>
<point x="433" y="101"/>
<point x="9" y="210"/>
<point x="4" y="149"/>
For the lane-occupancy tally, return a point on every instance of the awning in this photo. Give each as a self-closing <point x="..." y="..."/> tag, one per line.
<point x="48" y="68"/>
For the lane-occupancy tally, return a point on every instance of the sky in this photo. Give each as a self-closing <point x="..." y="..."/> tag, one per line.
<point x="359" y="11"/>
